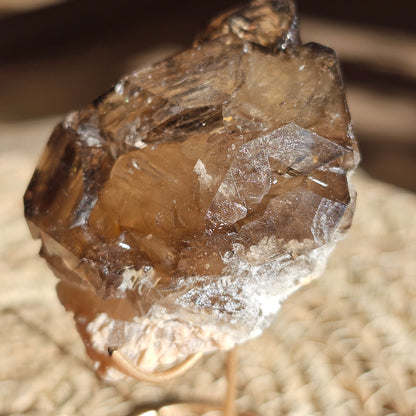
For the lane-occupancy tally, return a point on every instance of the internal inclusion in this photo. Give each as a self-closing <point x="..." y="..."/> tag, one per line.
<point x="182" y="207"/>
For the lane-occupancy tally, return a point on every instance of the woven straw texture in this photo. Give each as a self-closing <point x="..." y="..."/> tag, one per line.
<point x="344" y="345"/>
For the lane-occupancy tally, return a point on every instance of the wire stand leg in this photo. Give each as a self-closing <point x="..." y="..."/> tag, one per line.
<point x="231" y="374"/>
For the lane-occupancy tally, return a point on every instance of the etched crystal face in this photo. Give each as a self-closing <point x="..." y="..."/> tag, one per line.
<point x="181" y="208"/>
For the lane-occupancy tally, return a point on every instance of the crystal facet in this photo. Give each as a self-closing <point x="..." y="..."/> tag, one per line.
<point x="182" y="207"/>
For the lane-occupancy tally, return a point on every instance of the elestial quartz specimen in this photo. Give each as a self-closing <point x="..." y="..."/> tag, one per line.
<point x="182" y="207"/>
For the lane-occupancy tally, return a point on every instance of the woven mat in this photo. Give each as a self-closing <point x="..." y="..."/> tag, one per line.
<point x="344" y="345"/>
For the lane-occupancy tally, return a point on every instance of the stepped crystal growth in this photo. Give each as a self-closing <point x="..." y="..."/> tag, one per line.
<point x="181" y="208"/>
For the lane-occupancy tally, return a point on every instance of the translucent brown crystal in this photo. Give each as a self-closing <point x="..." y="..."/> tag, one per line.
<point x="182" y="207"/>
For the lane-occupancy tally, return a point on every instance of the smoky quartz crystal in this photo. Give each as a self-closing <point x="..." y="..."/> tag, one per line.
<point x="181" y="208"/>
